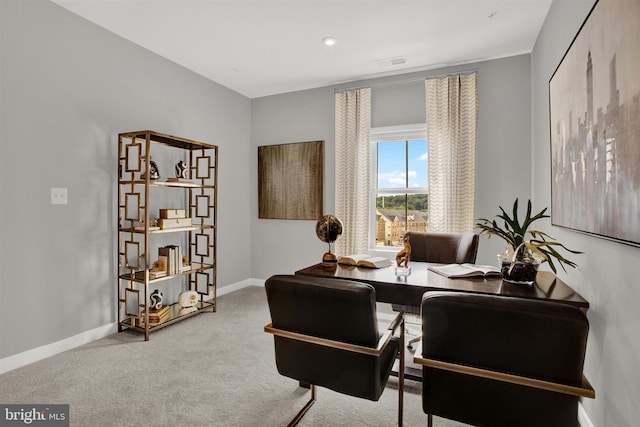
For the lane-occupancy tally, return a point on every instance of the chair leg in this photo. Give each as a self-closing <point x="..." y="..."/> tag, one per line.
<point x="417" y="335"/>
<point x="429" y="420"/>
<point x="401" y="376"/>
<point x="305" y="408"/>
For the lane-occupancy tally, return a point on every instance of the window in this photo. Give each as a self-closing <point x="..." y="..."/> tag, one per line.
<point x="400" y="183"/>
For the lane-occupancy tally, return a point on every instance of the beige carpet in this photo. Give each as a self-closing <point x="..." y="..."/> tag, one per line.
<point x="215" y="369"/>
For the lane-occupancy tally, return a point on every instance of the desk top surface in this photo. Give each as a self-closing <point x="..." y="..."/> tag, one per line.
<point x="408" y="290"/>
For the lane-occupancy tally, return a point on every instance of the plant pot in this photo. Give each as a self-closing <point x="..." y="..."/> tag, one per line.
<point x="521" y="272"/>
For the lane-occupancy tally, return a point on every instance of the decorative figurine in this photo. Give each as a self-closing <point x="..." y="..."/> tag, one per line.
<point x="158" y="265"/>
<point x="156" y="300"/>
<point x="403" y="256"/>
<point x="181" y="170"/>
<point x="154" y="172"/>
<point x="188" y="301"/>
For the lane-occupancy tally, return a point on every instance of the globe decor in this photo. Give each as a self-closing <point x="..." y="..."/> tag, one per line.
<point x="328" y="229"/>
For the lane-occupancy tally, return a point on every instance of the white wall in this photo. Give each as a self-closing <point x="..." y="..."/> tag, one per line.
<point x="503" y="169"/>
<point x="68" y="87"/>
<point x="608" y="272"/>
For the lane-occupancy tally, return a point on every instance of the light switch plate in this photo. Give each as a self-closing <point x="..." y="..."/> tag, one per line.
<point x="58" y="196"/>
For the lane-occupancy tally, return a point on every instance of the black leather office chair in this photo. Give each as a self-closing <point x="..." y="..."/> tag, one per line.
<point x="326" y="334"/>
<point x="445" y="248"/>
<point x="500" y="361"/>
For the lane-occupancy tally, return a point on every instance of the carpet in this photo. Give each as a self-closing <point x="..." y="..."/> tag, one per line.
<point x="214" y="369"/>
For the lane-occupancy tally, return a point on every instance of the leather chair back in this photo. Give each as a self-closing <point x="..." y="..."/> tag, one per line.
<point x="446" y="248"/>
<point x="535" y="339"/>
<point x="334" y="309"/>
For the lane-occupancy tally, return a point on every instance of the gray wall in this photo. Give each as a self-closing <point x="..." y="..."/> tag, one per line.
<point x="503" y="169"/>
<point x="608" y="272"/>
<point x="67" y="88"/>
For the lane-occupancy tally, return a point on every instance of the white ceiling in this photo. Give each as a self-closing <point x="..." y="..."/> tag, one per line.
<point x="266" y="47"/>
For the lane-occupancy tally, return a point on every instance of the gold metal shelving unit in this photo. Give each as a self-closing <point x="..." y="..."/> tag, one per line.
<point x="135" y="235"/>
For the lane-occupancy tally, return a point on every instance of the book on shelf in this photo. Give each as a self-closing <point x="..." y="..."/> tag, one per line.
<point x="158" y="315"/>
<point x="177" y="258"/>
<point x="165" y="309"/>
<point x="157" y="274"/>
<point x="172" y="256"/>
<point x="165" y="253"/>
<point x="465" y="270"/>
<point x="157" y="320"/>
<point x="364" y="260"/>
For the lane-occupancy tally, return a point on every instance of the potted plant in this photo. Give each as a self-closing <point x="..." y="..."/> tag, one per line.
<point x="526" y="248"/>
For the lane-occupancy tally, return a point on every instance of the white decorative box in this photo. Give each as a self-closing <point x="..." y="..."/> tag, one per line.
<point x="174" y="223"/>
<point x="173" y="213"/>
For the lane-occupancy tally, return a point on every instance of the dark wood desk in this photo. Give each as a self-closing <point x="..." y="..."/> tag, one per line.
<point x="409" y="290"/>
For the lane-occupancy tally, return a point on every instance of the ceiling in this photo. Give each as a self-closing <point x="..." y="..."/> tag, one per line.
<point x="267" y="47"/>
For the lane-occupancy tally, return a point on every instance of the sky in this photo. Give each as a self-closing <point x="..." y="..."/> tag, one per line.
<point x="391" y="164"/>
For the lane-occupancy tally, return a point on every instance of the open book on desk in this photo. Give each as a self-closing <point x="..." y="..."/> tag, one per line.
<point x="465" y="270"/>
<point x="364" y="260"/>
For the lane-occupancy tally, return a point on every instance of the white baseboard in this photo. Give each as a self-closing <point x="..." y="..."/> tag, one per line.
<point x="30" y="356"/>
<point x="239" y="285"/>
<point x="16" y="361"/>
<point x="583" y="418"/>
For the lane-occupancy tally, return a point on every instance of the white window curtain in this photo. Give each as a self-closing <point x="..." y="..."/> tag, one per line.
<point x="452" y="111"/>
<point x="353" y="125"/>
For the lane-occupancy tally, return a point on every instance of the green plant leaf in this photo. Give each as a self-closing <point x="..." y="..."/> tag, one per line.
<point x="515" y="234"/>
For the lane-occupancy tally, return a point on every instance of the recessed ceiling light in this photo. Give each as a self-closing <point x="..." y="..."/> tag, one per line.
<point x="329" y="41"/>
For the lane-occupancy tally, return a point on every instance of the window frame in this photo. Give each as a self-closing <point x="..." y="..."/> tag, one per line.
<point x="388" y="134"/>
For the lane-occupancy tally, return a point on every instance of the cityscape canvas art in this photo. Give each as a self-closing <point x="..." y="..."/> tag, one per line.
<point x="594" y="98"/>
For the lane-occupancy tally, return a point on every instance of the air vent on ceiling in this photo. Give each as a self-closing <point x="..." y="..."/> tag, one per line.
<point x="388" y="62"/>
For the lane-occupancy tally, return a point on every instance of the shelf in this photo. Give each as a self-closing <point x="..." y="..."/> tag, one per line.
<point x="179" y="184"/>
<point x="167" y="230"/>
<point x="165" y="184"/>
<point x="138" y="276"/>
<point x="170" y="140"/>
<point x="175" y="316"/>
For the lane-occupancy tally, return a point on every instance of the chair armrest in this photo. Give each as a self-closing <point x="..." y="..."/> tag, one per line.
<point x="395" y="325"/>
<point x="585" y="390"/>
<point x="382" y="343"/>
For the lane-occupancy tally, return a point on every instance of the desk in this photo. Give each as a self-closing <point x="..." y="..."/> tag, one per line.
<point x="409" y="290"/>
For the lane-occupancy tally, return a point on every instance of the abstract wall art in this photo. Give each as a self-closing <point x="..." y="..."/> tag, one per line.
<point x="594" y="97"/>
<point x="290" y="180"/>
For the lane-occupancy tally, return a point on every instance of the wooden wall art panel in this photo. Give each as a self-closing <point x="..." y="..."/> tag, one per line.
<point x="290" y="180"/>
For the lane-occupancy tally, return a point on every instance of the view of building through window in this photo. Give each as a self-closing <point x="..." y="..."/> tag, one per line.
<point x="401" y="189"/>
